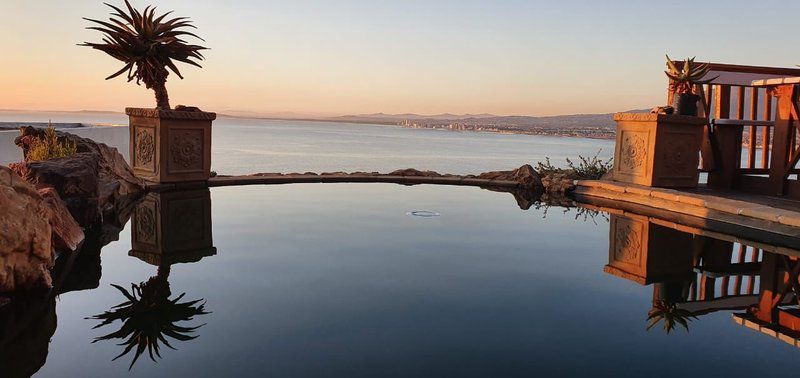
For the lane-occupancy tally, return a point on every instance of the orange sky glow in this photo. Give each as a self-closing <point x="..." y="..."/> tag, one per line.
<point x="326" y="58"/>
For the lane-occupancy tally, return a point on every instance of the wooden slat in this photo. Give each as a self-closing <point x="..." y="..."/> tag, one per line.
<point x="765" y="143"/>
<point x="751" y="151"/>
<point x="740" y="102"/>
<point x="724" y="287"/>
<point x="737" y="282"/>
<point x="728" y="142"/>
<point x="707" y="159"/>
<point x="751" y="282"/>
<point x="780" y="144"/>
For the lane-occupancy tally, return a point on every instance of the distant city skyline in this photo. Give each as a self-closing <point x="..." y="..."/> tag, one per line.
<point x="319" y="58"/>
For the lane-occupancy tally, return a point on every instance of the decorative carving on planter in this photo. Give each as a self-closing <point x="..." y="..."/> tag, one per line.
<point x="634" y="151"/>
<point x="145" y="147"/>
<point x="628" y="241"/>
<point x="146" y="231"/>
<point x="186" y="149"/>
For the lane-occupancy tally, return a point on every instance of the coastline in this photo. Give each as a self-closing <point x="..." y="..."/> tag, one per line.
<point x="567" y="132"/>
<point x="554" y="132"/>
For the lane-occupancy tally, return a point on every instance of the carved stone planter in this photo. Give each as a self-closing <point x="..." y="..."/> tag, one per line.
<point x="642" y="251"/>
<point x="661" y="150"/>
<point x="172" y="227"/>
<point x="169" y="145"/>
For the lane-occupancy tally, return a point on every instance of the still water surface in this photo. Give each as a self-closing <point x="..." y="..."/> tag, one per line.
<point x="337" y="280"/>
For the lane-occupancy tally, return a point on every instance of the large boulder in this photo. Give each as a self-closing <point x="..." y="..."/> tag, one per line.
<point x="26" y="248"/>
<point x="96" y="183"/>
<point x="525" y="175"/>
<point x="75" y="179"/>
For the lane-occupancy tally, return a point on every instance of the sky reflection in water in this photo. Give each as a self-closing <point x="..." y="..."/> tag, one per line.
<point x="337" y="280"/>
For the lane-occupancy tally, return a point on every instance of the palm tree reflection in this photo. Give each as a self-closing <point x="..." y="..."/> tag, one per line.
<point x="149" y="317"/>
<point x="668" y="313"/>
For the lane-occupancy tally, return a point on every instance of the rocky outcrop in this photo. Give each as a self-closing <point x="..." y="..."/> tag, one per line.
<point x="523" y="178"/>
<point x="67" y="234"/>
<point x="525" y="175"/>
<point x="26" y="248"/>
<point x="96" y="183"/>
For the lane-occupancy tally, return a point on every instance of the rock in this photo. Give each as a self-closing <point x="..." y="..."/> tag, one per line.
<point x="663" y="110"/>
<point x="558" y="182"/>
<point x="414" y="172"/>
<point x="74" y="178"/>
<point x="26" y="249"/>
<point x="67" y="234"/>
<point x="525" y="175"/>
<point x="96" y="183"/>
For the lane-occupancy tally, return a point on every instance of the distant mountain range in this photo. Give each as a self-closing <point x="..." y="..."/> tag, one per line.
<point x="518" y="123"/>
<point x="412" y="116"/>
<point x="602" y="120"/>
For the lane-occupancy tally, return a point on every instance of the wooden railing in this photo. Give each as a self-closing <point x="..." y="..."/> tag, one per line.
<point x="738" y="141"/>
<point x="736" y="278"/>
<point x="725" y="284"/>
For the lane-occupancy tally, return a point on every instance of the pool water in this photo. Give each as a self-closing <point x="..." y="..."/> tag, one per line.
<point x="339" y="280"/>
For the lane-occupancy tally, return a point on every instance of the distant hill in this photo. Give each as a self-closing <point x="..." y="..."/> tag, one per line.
<point x="412" y="116"/>
<point x="602" y="120"/>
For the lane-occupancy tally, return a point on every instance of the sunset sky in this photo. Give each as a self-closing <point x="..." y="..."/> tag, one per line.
<point x="344" y="57"/>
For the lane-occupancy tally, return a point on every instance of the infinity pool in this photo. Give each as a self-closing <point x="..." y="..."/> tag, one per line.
<point x="343" y="280"/>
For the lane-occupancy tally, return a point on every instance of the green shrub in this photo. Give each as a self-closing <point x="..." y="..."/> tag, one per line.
<point x="49" y="147"/>
<point x="588" y="168"/>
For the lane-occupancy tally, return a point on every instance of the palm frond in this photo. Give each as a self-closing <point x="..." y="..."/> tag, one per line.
<point x="146" y="44"/>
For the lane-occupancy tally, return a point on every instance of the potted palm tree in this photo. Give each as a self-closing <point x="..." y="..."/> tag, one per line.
<point x="683" y="84"/>
<point x="663" y="150"/>
<point x="166" y="144"/>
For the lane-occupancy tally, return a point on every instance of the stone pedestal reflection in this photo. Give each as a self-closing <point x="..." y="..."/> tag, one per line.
<point x="645" y="252"/>
<point x="172" y="227"/>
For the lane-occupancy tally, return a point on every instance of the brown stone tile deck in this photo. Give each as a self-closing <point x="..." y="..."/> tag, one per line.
<point x="770" y="214"/>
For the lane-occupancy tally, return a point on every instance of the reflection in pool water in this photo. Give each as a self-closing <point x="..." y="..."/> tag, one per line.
<point x="168" y="228"/>
<point x="336" y="280"/>
<point x="149" y="317"/>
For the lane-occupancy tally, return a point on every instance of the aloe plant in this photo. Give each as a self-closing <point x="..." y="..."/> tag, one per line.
<point x="148" y="45"/>
<point x="689" y="75"/>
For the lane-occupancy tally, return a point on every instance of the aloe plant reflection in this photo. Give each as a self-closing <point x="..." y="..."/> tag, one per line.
<point x="161" y="235"/>
<point x="149" y="317"/>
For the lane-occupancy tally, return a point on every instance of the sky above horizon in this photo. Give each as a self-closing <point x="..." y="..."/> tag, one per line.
<point x="344" y="57"/>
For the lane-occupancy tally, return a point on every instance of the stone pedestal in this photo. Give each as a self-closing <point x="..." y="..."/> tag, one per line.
<point x="172" y="227"/>
<point x="661" y="150"/>
<point x="644" y="252"/>
<point x="170" y="146"/>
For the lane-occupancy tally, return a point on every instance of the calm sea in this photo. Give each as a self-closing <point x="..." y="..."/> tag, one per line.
<point x="242" y="146"/>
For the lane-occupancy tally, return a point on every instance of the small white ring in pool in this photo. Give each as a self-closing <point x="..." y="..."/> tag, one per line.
<point x="423" y="213"/>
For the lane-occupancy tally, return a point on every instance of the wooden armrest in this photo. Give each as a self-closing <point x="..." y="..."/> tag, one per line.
<point x="741" y="122"/>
